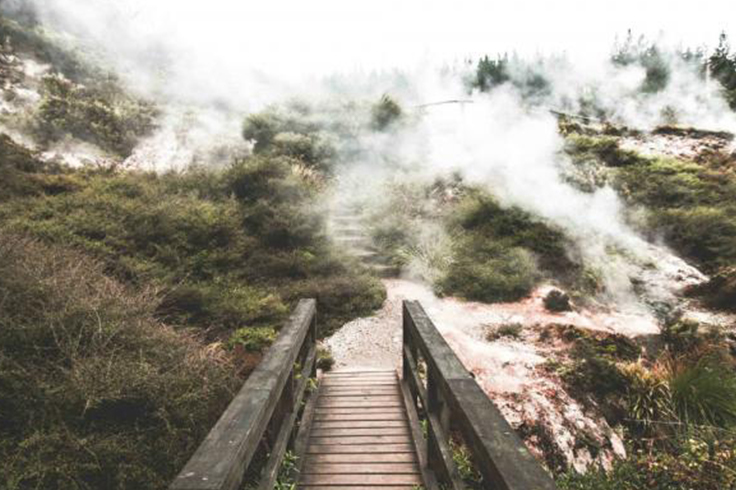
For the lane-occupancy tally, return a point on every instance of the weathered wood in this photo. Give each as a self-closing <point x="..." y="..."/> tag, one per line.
<point x="359" y="448"/>
<point x="221" y="460"/>
<point x="271" y="472"/>
<point x="453" y="394"/>
<point x="357" y="487"/>
<point x="364" y="480"/>
<point x="366" y="411"/>
<point x="362" y="458"/>
<point x="360" y="424"/>
<point x="360" y="440"/>
<point x="430" y="483"/>
<point x="302" y="438"/>
<point x="360" y="436"/>
<point x="343" y="416"/>
<point x="360" y="468"/>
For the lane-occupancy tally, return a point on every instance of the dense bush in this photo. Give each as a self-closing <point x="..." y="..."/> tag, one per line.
<point x="385" y="113"/>
<point x="488" y="271"/>
<point x="94" y="392"/>
<point x="292" y="133"/>
<point x="502" y="253"/>
<point x="104" y="116"/>
<point x="229" y="249"/>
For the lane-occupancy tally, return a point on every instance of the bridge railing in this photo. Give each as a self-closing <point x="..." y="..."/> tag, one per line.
<point x="267" y="406"/>
<point x="451" y="400"/>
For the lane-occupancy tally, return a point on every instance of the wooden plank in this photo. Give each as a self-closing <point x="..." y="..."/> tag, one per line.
<point x="357" y="416"/>
<point x="358" y="404"/>
<point x="330" y="403"/>
<point x="359" y="440"/>
<point x="364" y="480"/>
<point x="361" y="389"/>
<point x="221" y="460"/>
<point x="359" y="424"/>
<point x="360" y="468"/>
<point x="361" y="458"/>
<point x="354" y="398"/>
<point x="382" y="392"/>
<point x="352" y="411"/>
<point x="358" y="384"/>
<point x="351" y="431"/>
<point x="388" y="375"/>
<point x="359" y="448"/>
<point x="357" y="487"/>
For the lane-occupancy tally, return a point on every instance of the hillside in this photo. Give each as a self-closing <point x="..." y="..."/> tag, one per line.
<point x="582" y="267"/>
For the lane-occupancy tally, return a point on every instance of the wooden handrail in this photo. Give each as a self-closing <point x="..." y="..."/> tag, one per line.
<point x="452" y="400"/>
<point x="267" y="405"/>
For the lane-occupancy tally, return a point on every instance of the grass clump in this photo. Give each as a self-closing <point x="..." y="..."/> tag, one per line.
<point x="508" y="330"/>
<point x="94" y="391"/>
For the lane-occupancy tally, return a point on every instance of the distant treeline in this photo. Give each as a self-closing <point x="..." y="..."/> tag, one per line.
<point x="530" y="78"/>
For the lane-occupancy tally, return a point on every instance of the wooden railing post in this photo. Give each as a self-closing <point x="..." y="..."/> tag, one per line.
<point x="453" y="399"/>
<point x="266" y="406"/>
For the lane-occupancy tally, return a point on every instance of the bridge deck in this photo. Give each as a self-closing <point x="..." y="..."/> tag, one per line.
<point x="360" y="436"/>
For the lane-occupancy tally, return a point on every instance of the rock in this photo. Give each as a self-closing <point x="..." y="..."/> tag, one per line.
<point x="557" y="300"/>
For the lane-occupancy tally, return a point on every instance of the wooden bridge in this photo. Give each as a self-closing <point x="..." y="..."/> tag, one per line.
<point x="354" y="429"/>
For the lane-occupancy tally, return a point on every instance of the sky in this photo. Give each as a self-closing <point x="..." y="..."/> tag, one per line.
<point x="284" y="37"/>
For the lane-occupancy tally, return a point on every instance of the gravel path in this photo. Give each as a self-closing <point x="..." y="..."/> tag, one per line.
<point x="375" y="342"/>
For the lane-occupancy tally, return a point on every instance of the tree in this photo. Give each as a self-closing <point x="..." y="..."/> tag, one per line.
<point x="722" y="66"/>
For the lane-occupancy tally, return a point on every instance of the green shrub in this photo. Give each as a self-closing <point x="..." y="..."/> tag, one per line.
<point x="107" y="118"/>
<point x="291" y="133"/>
<point x="481" y="216"/>
<point x="488" y="271"/>
<point x="325" y="361"/>
<point x="94" y="392"/>
<point x="252" y="339"/>
<point x="385" y="113"/>
<point x="691" y="204"/>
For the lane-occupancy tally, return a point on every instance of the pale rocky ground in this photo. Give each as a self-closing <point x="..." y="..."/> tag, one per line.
<point x="510" y="370"/>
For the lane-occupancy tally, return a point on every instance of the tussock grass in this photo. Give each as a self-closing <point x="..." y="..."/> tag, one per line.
<point x="94" y="391"/>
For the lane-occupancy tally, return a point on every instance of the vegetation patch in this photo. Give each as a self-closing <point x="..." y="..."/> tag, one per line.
<point x="501" y="254"/>
<point x="94" y="391"/>
<point x="102" y="115"/>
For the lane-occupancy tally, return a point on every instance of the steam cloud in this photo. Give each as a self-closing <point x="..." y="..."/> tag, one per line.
<point x="206" y="82"/>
